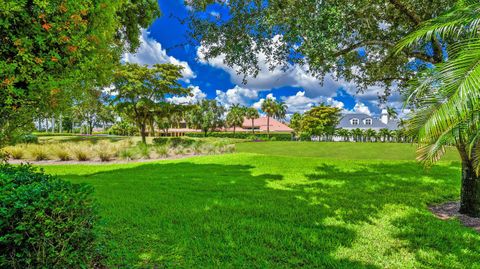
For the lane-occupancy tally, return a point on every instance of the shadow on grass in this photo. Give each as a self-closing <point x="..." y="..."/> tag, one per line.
<point x="211" y="215"/>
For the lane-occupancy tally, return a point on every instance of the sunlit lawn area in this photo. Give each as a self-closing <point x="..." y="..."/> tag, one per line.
<point x="282" y="208"/>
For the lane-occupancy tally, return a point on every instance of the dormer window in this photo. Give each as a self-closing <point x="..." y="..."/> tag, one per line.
<point x="355" y="121"/>
<point x="368" y="121"/>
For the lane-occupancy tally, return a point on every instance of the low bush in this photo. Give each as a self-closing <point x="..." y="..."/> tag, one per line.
<point x="126" y="154"/>
<point x="162" y="151"/>
<point x="45" y="222"/>
<point x="245" y="135"/>
<point x="143" y="151"/>
<point x="27" y="139"/>
<point x="174" y="141"/>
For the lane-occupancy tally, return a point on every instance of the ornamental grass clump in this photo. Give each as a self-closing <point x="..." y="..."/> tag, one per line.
<point x="62" y="152"/>
<point x="162" y="151"/>
<point x="38" y="152"/>
<point x="82" y="152"/>
<point x="105" y="151"/>
<point x="16" y="152"/>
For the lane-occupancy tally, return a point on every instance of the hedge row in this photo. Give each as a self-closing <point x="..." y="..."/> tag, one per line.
<point x="244" y="135"/>
<point x="173" y="141"/>
<point x="45" y="222"/>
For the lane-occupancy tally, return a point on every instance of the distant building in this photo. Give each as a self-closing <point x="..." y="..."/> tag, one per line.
<point x="364" y="122"/>
<point x="260" y="125"/>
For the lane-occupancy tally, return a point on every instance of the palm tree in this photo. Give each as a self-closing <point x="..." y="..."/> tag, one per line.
<point x="281" y="110"/>
<point x="344" y="133"/>
<point x="447" y="97"/>
<point x="392" y="113"/>
<point x="235" y="117"/>
<point x="252" y="114"/>
<point x="269" y="106"/>
<point x="385" y="134"/>
<point x="357" y="134"/>
<point x="370" y="133"/>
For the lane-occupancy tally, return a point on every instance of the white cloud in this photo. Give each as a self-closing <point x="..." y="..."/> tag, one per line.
<point x="196" y="95"/>
<point x="294" y="76"/>
<point x="302" y="103"/>
<point x="237" y="95"/>
<point x="151" y="52"/>
<point x="361" y="108"/>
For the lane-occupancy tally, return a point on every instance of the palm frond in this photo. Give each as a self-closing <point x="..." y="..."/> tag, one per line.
<point x="463" y="21"/>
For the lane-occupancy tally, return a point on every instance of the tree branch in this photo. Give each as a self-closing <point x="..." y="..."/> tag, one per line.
<point x="362" y="44"/>
<point x="403" y="9"/>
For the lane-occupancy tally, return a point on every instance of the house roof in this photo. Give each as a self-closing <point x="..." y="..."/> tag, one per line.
<point x="346" y="122"/>
<point x="260" y="124"/>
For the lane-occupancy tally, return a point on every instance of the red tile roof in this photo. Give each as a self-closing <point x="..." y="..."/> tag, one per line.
<point x="260" y="124"/>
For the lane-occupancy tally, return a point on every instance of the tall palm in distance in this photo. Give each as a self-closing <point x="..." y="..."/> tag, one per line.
<point x="281" y="110"/>
<point x="269" y="107"/>
<point x="392" y="113"/>
<point x="447" y="97"/>
<point x="235" y="116"/>
<point x="252" y="114"/>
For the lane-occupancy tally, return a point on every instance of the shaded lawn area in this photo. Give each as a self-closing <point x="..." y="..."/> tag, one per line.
<point x="339" y="150"/>
<point x="251" y="210"/>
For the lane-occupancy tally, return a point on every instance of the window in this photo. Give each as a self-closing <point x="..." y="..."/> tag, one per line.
<point x="368" y="121"/>
<point x="355" y="121"/>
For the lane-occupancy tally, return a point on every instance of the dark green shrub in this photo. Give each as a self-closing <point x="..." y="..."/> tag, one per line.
<point x="27" y="139"/>
<point x="245" y="135"/>
<point x="174" y="141"/>
<point x="45" y="222"/>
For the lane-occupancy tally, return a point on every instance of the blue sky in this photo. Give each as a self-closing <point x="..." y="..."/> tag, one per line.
<point x="166" y="41"/>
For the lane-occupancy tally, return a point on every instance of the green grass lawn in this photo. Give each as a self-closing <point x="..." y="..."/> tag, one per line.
<point x="250" y="210"/>
<point x="339" y="150"/>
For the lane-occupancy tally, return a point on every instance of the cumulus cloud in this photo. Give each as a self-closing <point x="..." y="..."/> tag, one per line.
<point x="302" y="103"/>
<point x="361" y="108"/>
<point x="294" y="76"/>
<point x="151" y="52"/>
<point x="258" y="104"/>
<point x="196" y="95"/>
<point x="237" y="95"/>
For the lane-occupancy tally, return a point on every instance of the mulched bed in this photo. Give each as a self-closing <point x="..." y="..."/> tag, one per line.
<point x="450" y="210"/>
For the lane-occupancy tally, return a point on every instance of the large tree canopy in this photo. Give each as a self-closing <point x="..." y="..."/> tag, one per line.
<point x="353" y="40"/>
<point x="49" y="48"/>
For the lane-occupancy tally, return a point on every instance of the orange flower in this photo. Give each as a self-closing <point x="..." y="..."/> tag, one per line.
<point x="38" y="60"/>
<point x="46" y="26"/>
<point x="64" y="39"/>
<point x="72" y="48"/>
<point x="54" y="59"/>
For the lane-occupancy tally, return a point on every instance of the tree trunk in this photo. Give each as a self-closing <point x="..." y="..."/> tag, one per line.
<point x="470" y="195"/>
<point x="143" y="134"/>
<point x="233" y="130"/>
<point x="268" y="127"/>
<point x="253" y="127"/>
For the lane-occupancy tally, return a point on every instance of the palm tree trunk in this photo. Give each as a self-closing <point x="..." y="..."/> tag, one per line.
<point x="268" y="126"/>
<point x="233" y="130"/>
<point x="470" y="193"/>
<point x="253" y="127"/>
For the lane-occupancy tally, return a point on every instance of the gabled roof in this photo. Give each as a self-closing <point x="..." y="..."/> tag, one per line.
<point x="346" y="122"/>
